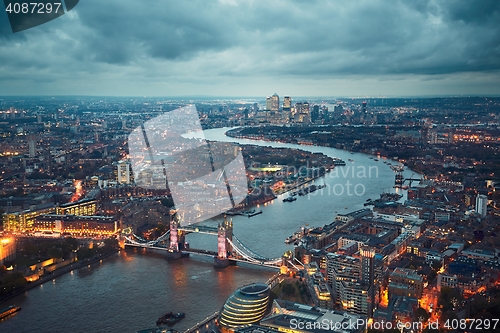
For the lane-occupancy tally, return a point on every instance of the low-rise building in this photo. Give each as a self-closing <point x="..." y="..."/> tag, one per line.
<point x="292" y="317"/>
<point x="22" y="221"/>
<point x="86" y="207"/>
<point x="405" y="282"/>
<point x="78" y="226"/>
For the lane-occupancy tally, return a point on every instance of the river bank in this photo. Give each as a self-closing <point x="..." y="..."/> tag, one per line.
<point x="235" y="133"/>
<point x="57" y="273"/>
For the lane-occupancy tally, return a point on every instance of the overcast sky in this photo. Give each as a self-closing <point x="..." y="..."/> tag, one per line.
<point x="256" y="48"/>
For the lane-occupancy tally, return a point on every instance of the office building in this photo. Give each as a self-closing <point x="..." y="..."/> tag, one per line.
<point x="315" y="114"/>
<point x="22" y="221"/>
<point x="318" y="287"/>
<point x="269" y="103"/>
<point x="357" y="298"/>
<point x="341" y="268"/>
<point x="245" y="306"/>
<point x="77" y="226"/>
<point x="293" y="317"/>
<point x="123" y="172"/>
<point x="287" y="103"/>
<point x="301" y="114"/>
<point x="87" y="207"/>
<point x="275" y="103"/>
<point x="405" y="282"/>
<point x="31" y="146"/>
<point x="482" y="205"/>
<point x="367" y="265"/>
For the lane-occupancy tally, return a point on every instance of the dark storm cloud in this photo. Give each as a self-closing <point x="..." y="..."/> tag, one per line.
<point x="156" y="39"/>
<point x="375" y="37"/>
<point x="156" y="28"/>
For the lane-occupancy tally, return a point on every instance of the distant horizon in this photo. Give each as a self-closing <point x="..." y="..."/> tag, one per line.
<point x="259" y="97"/>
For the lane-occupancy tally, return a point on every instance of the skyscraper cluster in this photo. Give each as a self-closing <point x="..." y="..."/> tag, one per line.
<point x="298" y="113"/>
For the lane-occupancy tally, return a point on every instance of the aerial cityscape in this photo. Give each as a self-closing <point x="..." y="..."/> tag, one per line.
<point x="214" y="177"/>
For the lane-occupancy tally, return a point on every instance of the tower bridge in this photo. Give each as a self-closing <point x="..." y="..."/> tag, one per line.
<point x="399" y="179"/>
<point x="230" y="249"/>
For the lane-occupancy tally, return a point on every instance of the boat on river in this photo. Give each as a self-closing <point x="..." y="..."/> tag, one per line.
<point x="9" y="310"/>
<point x="170" y="318"/>
<point x="158" y="329"/>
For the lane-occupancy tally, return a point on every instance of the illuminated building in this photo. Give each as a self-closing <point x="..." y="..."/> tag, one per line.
<point x="287" y="103"/>
<point x="293" y="317"/>
<point x="272" y="108"/>
<point x="245" y="306"/>
<point x="482" y="205"/>
<point x="86" y="207"/>
<point x="269" y="103"/>
<point x="367" y="265"/>
<point x="301" y="114"/>
<point x="7" y="249"/>
<point x="123" y="172"/>
<point x="405" y="282"/>
<point x="368" y="271"/>
<point x="356" y="297"/>
<point x="341" y="268"/>
<point x="319" y="289"/>
<point x="445" y="280"/>
<point x="275" y="102"/>
<point x="81" y="226"/>
<point x="287" y="109"/>
<point x="23" y="221"/>
<point x="352" y="281"/>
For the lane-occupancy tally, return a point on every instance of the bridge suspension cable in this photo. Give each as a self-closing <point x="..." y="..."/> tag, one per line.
<point x="295" y="266"/>
<point x="259" y="259"/>
<point x="142" y="241"/>
<point x="249" y="251"/>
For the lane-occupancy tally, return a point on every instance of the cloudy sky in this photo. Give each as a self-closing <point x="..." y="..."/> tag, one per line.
<point x="256" y="48"/>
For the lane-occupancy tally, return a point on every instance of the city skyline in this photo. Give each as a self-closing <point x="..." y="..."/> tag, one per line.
<point x="373" y="49"/>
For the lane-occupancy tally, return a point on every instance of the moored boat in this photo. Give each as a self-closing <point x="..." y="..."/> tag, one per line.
<point x="170" y="318"/>
<point x="9" y="310"/>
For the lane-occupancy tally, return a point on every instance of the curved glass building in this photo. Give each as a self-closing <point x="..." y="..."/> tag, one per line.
<point x="246" y="305"/>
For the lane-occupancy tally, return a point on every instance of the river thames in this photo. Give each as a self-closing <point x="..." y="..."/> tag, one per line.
<point x="129" y="291"/>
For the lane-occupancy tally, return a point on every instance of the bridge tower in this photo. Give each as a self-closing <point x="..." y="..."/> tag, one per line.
<point x="228" y="227"/>
<point x="285" y="259"/>
<point x="399" y="179"/>
<point x="174" y="235"/>
<point x="173" y="248"/>
<point x="224" y="248"/>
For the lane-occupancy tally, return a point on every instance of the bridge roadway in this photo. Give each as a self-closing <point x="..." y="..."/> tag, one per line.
<point x="200" y="229"/>
<point x="207" y="253"/>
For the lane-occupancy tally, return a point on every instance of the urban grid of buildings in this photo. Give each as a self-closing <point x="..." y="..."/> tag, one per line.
<point x="65" y="172"/>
